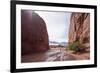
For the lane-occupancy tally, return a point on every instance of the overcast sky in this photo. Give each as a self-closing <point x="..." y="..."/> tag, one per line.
<point x="57" y="24"/>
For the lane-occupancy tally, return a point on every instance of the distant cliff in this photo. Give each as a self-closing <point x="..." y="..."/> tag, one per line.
<point x="79" y="29"/>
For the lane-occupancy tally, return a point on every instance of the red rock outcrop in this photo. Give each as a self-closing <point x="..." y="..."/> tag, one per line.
<point x="80" y="28"/>
<point x="34" y="36"/>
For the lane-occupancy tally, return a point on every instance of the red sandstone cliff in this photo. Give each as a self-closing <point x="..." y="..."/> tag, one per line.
<point x="80" y="28"/>
<point x="34" y="36"/>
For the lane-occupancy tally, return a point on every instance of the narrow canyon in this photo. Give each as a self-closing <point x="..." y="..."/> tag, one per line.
<point x="35" y="40"/>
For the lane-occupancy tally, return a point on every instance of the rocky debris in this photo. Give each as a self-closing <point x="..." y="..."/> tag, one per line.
<point x="34" y="36"/>
<point x="80" y="28"/>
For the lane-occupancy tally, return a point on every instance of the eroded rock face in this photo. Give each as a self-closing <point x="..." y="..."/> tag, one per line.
<point x="80" y="28"/>
<point x="34" y="36"/>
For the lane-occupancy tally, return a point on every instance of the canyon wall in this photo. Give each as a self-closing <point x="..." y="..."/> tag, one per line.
<point x="34" y="36"/>
<point x="79" y="29"/>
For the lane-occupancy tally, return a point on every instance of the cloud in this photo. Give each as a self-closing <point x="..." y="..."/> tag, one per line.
<point x="57" y="24"/>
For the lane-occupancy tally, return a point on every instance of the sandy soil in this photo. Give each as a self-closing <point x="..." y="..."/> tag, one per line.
<point x="80" y="56"/>
<point x="54" y="54"/>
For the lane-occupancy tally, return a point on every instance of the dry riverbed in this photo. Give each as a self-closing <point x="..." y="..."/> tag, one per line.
<point x="54" y="54"/>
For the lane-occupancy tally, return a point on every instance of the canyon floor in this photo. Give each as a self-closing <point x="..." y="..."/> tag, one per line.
<point x="54" y="54"/>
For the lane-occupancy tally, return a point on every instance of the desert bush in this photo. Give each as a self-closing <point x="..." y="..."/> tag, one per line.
<point x="75" y="46"/>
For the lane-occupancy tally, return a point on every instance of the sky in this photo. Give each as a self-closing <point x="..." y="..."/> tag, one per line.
<point x="57" y="24"/>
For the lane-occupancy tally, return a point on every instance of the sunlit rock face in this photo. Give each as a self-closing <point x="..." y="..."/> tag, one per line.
<point x="80" y="28"/>
<point x="34" y="36"/>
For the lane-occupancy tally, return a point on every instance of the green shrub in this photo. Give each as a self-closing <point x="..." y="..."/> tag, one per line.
<point x="74" y="46"/>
